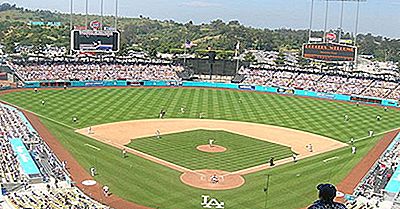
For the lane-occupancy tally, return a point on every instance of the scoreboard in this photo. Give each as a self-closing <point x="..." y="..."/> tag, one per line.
<point x="95" y="41"/>
<point x="331" y="52"/>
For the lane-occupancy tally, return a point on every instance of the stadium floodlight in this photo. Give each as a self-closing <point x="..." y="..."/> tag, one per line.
<point x="71" y="15"/>
<point x="116" y="15"/>
<point x="341" y="17"/>
<point x="86" y="13"/>
<point x="93" y="37"/>
<point x="101" y="11"/>
<point x="340" y="30"/>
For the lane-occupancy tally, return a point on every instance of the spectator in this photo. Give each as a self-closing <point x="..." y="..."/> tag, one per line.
<point x="327" y="194"/>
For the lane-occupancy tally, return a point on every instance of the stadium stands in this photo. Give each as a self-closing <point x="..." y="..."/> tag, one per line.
<point x="31" y="175"/>
<point x="53" y="199"/>
<point x="321" y="82"/>
<point x="380" y="187"/>
<point x="96" y="72"/>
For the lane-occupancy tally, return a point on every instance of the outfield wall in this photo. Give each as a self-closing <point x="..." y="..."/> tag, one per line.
<point x="277" y="90"/>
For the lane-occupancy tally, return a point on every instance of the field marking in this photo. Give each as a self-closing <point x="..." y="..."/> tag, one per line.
<point x="378" y="134"/>
<point x="330" y="159"/>
<point x="41" y="116"/>
<point x="119" y="134"/>
<point x="94" y="147"/>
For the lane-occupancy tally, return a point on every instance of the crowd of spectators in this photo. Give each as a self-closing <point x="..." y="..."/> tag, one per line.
<point x="370" y="191"/>
<point x="321" y="82"/>
<point x="53" y="199"/>
<point x="95" y="72"/>
<point x="9" y="169"/>
<point x="14" y="125"/>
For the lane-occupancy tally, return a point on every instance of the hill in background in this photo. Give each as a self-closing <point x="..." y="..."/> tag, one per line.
<point x="153" y="36"/>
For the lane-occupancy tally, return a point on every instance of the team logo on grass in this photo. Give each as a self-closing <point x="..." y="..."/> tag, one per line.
<point x="209" y="202"/>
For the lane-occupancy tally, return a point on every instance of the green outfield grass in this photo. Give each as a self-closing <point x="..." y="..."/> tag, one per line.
<point x="180" y="148"/>
<point x="135" y="179"/>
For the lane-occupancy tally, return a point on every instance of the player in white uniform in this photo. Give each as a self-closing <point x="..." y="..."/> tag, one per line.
<point x="310" y="148"/>
<point x="353" y="150"/>
<point x="158" y="134"/>
<point x="90" y="130"/>
<point x="211" y="142"/>
<point x="93" y="171"/>
<point x="106" y="190"/>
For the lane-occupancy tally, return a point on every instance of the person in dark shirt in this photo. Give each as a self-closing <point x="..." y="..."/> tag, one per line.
<point x="327" y="194"/>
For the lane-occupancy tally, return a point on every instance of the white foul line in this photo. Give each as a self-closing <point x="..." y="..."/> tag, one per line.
<point x="91" y="146"/>
<point x="330" y="159"/>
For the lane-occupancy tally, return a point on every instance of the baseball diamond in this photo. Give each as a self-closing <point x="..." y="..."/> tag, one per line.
<point x="169" y="172"/>
<point x="199" y="104"/>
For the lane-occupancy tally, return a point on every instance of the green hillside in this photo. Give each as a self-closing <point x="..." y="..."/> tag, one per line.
<point x="164" y="36"/>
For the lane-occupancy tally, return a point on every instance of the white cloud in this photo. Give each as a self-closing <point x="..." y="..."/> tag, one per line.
<point x="200" y="4"/>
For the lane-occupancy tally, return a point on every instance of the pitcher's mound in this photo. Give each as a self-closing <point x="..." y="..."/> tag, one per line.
<point x="208" y="148"/>
<point x="203" y="179"/>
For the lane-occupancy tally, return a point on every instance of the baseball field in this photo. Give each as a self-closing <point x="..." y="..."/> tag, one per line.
<point x="146" y="182"/>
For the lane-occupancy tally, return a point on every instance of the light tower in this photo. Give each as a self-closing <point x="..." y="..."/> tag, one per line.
<point x="326" y="40"/>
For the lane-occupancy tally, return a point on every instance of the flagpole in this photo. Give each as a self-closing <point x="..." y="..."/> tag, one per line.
<point x="184" y="55"/>
<point x="237" y="56"/>
<point x="86" y="13"/>
<point x="116" y="15"/>
<point x="71" y="14"/>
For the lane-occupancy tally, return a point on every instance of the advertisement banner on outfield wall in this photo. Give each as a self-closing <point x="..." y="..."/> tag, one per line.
<point x="94" y="83"/>
<point x="247" y="87"/>
<point x="174" y="83"/>
<point x="326" y="95"/>
<point x="285" y="91"/>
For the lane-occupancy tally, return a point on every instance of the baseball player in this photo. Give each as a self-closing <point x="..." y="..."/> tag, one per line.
<point x="346" y="118"/>
<point x="90" y="130"/>
<point x="371" y="133"/>
<point x="43" y="102"/>
<point x="93" y="171"/>
<point x="158" y="134"/>
<point x="353" y="150"/>
<point x="182" y="110"/>
<point x="294" y="156"/>
<point x="106" y="190"/>
<point x="124" y="153"/>
<point x="378" y="118"/>
<point x="310" y="148"/>
<point x="352" y="141"/>
<point x="214" y="179"/>
<point x="271" y="162"/>
<point x="211" y="142"/>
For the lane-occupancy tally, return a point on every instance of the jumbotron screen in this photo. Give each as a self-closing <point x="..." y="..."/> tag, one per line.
<point x="95" y="41"/>
<point x="329" y="52"/>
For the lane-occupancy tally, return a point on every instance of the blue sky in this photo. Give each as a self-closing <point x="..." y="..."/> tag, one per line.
<point x="380" y="17"/>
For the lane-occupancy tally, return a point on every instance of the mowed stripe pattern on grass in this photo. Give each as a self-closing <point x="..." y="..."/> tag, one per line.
<point x="180" y="148"/>
<point x="98" y="106"/>
<point x="292" y="186"/>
